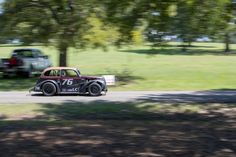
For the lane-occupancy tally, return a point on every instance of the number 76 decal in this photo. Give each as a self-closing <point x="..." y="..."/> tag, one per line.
<point x="67" y="82"/>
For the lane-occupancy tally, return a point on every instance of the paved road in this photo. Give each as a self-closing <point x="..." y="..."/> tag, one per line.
<point x="213" y="96"/>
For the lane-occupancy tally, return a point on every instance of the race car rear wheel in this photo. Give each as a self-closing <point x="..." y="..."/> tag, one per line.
<point x="95" y="89"/>
<point x="49" y="89"/>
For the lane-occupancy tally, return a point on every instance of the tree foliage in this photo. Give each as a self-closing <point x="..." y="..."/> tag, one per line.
<point x="64" y="23"/>
<point x="189" y="19"/>
<point x="81" y="23"/>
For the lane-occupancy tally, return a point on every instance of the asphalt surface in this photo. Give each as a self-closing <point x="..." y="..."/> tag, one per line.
<point x="211" y="96"/>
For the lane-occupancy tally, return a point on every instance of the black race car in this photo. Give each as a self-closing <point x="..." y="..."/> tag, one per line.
<point x="65" y="80"/>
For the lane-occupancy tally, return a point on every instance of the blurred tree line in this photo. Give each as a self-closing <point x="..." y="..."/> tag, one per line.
<point x="93" y="23"/>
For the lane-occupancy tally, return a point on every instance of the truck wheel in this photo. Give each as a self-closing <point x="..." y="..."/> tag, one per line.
<point x="49" y="89"/>
<point x="95" y="89"/>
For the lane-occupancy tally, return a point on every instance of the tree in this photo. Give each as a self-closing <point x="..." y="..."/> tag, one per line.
<point x="226" y="27"/>
<point x="195" y="18"/>
<point x="189" y="19"/>
<point x="134" y="17"/>
<point x="63" y="23"/>
<point x="159" y="18"/>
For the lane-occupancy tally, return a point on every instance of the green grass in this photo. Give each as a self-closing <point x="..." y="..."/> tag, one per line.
<point x="204" y="66"/>
<point x="102" y="110"/>
<point x="19" y="110"/>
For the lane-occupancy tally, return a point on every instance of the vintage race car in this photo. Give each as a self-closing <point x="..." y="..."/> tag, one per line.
<point x="66" y="80"/>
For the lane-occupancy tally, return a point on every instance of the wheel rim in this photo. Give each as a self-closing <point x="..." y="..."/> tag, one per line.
<point x="48" y="89"/>
<point x="94" y="89"/>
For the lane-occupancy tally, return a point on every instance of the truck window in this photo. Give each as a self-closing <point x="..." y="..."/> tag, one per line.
<point x="23" y="53"/>
<point x="38" y="53"/>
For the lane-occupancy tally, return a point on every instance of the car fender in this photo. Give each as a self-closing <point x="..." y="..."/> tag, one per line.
<point x="86" y="85"/>
<point x="101" y="83"/>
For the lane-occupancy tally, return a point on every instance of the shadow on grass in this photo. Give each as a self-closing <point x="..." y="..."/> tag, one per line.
<point x="192" y="46"/>
<point x="179" y="51"/>
<point x="187" y="46"/>
<point x="107" y="128"/>
<point x="124" y="76"/>
<point x="105" y="110"/>
<point x="16" y="83"/>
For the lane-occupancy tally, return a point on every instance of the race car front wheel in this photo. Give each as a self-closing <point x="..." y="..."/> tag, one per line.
<point x="95" y="89"/>
<point x="49" y="89"/>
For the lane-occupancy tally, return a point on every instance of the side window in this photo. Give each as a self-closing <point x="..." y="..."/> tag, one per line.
<point x="24" y="53"/>
<point x="38" y="53"/>
<point x="47" y="73"/>
<point x="52" y="73"/>
<point x="35" y="54"/>
<point x="68" y="73"/>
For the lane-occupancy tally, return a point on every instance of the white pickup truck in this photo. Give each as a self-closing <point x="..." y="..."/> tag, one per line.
<point x="24" y="62"/>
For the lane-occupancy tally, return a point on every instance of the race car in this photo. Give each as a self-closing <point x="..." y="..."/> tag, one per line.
<point x="67" y="80"/>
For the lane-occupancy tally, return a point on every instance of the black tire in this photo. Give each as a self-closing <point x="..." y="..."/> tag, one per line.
<point x="94" y="89"/>
<point x="49" y="89"/>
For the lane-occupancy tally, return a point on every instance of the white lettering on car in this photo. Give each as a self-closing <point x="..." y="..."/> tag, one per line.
<point x="67" y="82"/>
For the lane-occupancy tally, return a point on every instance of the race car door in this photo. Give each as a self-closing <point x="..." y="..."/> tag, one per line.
<point x="69" y="81"/>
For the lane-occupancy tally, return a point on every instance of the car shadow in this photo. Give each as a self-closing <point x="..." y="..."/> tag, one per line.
<point x="64" y="95"/>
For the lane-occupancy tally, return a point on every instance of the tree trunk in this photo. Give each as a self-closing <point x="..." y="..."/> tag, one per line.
<point x="189" y="43"/>
<point x="184" y="46"/>
<point x="227" y="43"/>
<point x="184" y="49"/>
<point x="63" y="55"/>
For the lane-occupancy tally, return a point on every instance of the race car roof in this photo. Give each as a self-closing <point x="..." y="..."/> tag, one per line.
<point x="59" y="68"/>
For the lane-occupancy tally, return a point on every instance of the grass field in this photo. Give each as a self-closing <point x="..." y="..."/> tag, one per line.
<point x="204" y="66"/>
